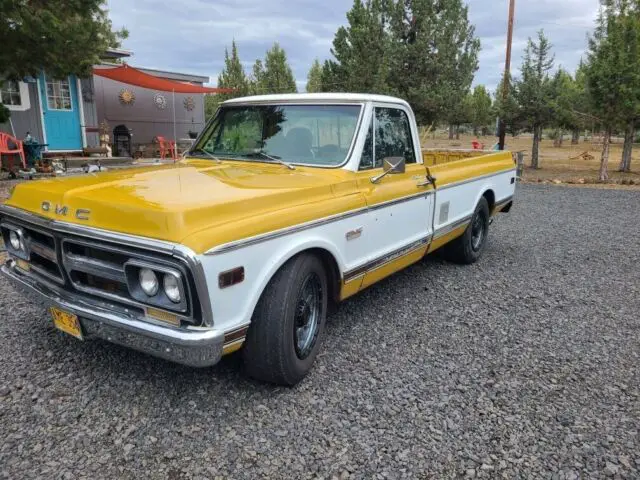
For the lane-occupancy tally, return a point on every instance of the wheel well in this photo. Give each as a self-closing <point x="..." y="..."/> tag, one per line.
<point x="491" y="199"/>
<point x="333" y="273"/>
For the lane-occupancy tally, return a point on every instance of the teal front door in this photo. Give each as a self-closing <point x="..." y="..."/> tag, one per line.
<point x="61" y="112"/>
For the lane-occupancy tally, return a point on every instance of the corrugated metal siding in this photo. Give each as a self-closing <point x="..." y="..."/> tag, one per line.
<point x="90" y="110"/>
<point x="144" y="117"/>
<point x="28" y="120"/>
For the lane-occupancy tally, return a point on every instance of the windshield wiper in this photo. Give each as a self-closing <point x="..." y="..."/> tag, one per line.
<point x="263" y="154"/>
<point x="210" y="155"/>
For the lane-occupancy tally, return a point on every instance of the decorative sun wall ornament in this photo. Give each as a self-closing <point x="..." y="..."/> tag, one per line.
<point x="160" y="101"/>
<point x="127" y="97"/>
<point x="189" y="103"/>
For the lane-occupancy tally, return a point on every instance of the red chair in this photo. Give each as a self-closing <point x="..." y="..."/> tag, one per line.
<point x="18" y="149"/>
<point x="477" y="145"/>
<point x="167" y="146"/>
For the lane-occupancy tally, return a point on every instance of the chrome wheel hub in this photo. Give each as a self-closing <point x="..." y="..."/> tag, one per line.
<point x="307" y="316"/>
<point x="477" y="232"/>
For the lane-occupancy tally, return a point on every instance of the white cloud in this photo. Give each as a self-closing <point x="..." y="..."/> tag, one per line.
<point x="191" y="35"/>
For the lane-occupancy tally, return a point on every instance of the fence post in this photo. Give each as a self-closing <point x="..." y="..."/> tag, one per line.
<point x="519" y="163"/>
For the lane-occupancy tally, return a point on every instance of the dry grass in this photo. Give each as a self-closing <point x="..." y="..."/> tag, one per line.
<point x="556" y="164"/>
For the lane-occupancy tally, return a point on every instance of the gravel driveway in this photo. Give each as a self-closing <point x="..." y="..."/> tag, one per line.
<point x="524" y="365"/>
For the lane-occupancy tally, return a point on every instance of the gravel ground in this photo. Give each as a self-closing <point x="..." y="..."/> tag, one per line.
<point x="521" y="366"/>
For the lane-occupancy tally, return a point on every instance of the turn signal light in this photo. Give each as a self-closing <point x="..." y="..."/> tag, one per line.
<point x="231" y="277"/>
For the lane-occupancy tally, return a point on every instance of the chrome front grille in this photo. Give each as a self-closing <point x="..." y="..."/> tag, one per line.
<point x="43" y="257"/>
<point x="94" y="269"/>
<point x="97" y="270"/>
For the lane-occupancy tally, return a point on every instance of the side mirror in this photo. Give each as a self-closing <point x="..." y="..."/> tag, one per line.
<point x="390" y="165"/>
<point x="394" y="165"/>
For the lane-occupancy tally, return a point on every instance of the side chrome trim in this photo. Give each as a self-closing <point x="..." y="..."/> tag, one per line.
<point x="263" y="237"/>
<point x="442" y="231"/>
<point x="396" y="201"/>
<point x="474" y="179"/>
<point x="181" y="252"/>
<point x="246" y="242"/>
<point x="385" y="259"/>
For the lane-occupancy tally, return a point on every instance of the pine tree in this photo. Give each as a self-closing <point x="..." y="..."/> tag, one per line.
<point x="433" y="55"/>
<point x="481" y="115"/>
<point x="613" y="74"/>
<point x="314" y="78"/>
<point x="276" y="75"/>
<point x="257" y="76"/>
<point x="460" y="114"/>
<point x="565" y="93"/>
<point x="232" y="76"/>
<point x="359" y="51"/>
<point x="534" y="90"/>
<point x="507" y="108"/>
<point x="581" y="104"/>
<point x="59" y="36"/>
<point x="630" y="19"/>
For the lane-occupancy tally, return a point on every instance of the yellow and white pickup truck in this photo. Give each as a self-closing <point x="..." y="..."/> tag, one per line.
<point x="284" y="206"/>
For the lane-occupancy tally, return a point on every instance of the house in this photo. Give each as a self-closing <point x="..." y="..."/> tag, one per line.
<point x="65" y="113"/>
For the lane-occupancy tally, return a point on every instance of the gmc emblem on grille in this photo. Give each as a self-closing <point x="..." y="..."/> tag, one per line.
<point x="63" y="210"/>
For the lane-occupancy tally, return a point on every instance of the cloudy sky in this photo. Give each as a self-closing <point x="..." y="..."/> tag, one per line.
<point x="190" y="35"/>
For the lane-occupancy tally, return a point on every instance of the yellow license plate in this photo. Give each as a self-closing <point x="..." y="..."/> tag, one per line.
<point x="67" y="322"/>
<point x="23" y="265"/>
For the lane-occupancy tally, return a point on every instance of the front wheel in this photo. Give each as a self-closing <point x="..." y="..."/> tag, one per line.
<point x="468" y="248"/>
<point x="288" y="323"/>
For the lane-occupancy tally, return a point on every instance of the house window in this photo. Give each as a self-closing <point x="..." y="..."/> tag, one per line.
<point x="58" y="94"/>
<point x="14" y="95"/>
<point x="11" y="93"/>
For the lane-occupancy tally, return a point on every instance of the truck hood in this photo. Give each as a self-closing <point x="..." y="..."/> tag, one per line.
<point x="175" y="202"/>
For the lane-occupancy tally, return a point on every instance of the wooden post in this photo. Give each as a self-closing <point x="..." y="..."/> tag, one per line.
<point x="507" y="72"/>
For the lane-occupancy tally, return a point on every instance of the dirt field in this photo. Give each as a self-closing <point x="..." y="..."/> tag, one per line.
<point x="564" y="164"/>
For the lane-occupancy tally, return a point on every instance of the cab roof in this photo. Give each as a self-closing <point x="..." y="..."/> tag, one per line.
<point x="317" y="98"/>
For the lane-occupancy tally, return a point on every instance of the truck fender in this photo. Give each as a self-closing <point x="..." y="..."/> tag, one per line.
<point x="261" y="265"/>
<point x="486" y="187"/>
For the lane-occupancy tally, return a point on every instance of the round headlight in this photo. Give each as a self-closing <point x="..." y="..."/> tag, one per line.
<point x="172" y="287"/>
<point x="14" y="238"/>
<point x="148" y="281"/>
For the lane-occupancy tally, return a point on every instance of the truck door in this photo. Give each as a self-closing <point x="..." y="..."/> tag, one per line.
<point x="401" y="209"/>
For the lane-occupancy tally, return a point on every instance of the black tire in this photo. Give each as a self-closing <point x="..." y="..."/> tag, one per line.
<point x="467" y="248"/>
<point x="274" y="350"/>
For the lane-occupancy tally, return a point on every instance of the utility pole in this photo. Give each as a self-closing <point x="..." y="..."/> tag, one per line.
<point x="507" y="73"/>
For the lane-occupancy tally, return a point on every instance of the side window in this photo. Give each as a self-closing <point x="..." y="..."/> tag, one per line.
<point x="366" y="160"/>
<point x="392" y="136"/>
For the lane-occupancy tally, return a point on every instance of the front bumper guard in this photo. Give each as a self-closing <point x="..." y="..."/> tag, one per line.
<point x="192" y="346"/>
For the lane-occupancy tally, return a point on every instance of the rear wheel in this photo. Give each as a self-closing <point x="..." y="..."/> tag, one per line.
<point x="468" y="248"/>
<point x="288" y="323"/>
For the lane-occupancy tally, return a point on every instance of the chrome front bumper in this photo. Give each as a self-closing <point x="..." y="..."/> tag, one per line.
<point x="193" y="346"/>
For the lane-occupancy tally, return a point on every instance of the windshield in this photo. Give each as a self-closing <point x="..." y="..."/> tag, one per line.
<point x="307" y="134"/>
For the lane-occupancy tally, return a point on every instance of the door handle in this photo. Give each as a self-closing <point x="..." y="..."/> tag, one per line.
<point x="429" y="180"/>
